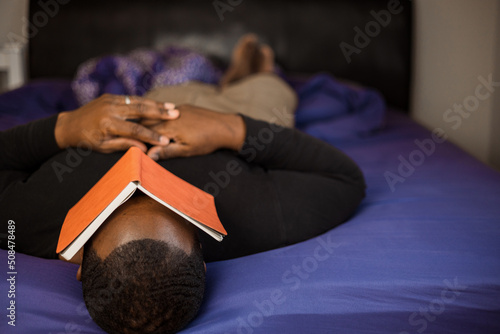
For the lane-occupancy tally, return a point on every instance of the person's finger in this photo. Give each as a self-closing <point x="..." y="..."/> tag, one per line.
<point x="145" y="108"/>
<point x="151" y="123"/>
<point x="169" y="105"/>
<point x="136" y="131"/>
<point x="120" y="144"/>
<point x="155" y="153"/>
<point x="172" y="150"/>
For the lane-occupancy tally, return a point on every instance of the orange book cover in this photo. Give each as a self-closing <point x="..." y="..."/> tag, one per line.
<point x="135" y="170"/>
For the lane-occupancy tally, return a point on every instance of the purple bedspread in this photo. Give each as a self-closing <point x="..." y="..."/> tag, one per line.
<point x="421" y="255"/>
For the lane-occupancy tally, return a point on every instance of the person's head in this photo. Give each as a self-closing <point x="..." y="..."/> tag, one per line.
<point x="143" y="271"/>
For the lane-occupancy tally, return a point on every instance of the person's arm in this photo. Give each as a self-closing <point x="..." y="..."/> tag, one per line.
<point x="25" y="147"/>
<point x="277" y="147"/>
<point x="199" y="131"/>
<point x="316" y="185"/>
<point x="100" y="125"/>
<point x="35" y="194"/>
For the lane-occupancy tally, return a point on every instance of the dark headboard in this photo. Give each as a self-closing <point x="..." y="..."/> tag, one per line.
<point x="308" y="36"/>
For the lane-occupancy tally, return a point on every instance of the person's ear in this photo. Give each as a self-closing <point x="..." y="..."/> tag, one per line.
<point x="79" y="273"/>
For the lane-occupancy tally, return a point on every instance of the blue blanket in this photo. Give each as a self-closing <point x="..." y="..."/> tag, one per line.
<point x="335" y="111"/>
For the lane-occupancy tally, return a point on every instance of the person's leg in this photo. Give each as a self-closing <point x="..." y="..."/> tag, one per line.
<point x="248" y="58"/>
<point x="263" y="96"/>
<point x="249" y="87"/>
<point x="187" y="93"/>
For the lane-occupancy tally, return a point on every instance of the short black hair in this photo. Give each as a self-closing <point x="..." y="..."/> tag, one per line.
<point x="143" y="286"/>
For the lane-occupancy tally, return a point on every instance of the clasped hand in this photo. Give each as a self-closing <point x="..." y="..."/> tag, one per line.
<point x="105" y="125"/>
<point x="197" y="131"/>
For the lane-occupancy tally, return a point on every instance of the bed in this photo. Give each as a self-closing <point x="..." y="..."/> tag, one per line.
<point x="421" y="254"/>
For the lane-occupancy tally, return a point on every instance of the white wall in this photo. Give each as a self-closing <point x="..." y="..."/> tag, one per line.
<point x="13" y="59"/>
<point x="456" y="43"/>
<point x="12" y="13"/>
<point x="495" y="142"/>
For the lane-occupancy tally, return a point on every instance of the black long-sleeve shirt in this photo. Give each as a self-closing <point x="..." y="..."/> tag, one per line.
<point x="281" y="188"/>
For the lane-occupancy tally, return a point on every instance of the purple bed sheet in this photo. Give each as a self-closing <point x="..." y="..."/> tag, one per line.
<point x="421" y="255"/>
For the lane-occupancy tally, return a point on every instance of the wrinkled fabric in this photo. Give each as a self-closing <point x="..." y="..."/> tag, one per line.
<point x="333" y="110"/>
<point x="37" y="99"/>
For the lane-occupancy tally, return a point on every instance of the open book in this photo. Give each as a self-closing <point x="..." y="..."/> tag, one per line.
<point x="135" y="170"/>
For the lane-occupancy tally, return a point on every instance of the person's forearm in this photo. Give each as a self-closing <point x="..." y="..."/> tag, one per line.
<point x="236" y="132"/>
<point x="276" y="147"/>
<point x="27" y="146"/>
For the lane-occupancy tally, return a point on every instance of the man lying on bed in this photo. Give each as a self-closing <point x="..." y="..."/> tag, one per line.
<point x="143" y="270"/>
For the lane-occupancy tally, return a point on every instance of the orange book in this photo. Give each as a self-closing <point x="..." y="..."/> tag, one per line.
<point x="135" y="170"/>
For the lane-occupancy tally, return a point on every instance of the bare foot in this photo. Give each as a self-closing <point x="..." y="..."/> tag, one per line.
<point x="248" y="58"/>
<point x="267" y="59"/>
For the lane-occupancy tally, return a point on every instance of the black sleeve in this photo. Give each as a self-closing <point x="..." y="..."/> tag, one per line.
<point x="276" y="147"/>
<point x="39" y="183"/>
<point x="25" y="147"/>
<point x="23" y="150"/>
<point x="316" y="185"/>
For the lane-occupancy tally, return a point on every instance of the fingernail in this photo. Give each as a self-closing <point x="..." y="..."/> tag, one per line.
<point x="164" y="140"/>
<point x="173" y="113"/>
<point x="154" y="156"/>
<point x="169" y="105"/>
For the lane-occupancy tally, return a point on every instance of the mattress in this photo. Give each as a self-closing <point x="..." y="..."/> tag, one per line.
<point x="421" y="254"/>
